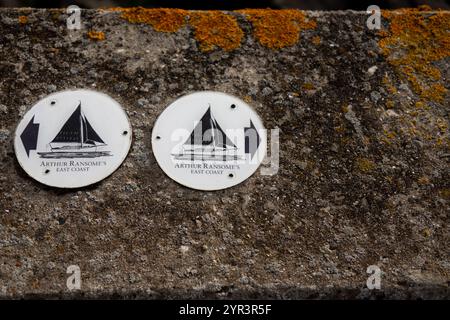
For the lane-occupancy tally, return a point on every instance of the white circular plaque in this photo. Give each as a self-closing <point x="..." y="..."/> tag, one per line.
<point x="72" y="139"/>
<point x="209" y="140"/>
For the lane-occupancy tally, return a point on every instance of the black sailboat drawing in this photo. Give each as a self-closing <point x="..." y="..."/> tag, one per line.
<point x="208" y="142"/>
<point x="76" y="139"/>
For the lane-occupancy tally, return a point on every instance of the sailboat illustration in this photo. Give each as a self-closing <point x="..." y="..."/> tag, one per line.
<point x="208" y="142"/>
<point x="76" y="139"/>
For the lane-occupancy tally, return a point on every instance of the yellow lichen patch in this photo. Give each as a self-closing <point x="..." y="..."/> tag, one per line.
<point x="424" y="180"/>
<point x="164" y="20"/>
<point x="55" y="14"/>
<point x="308" y="86"/>
<point x="248" y="99"/>
<point x="339" y="129"/>
<point x="388" y="84"/>
<point x="216" y="29"/>
<point x="23" y="19"/>
<point x="388" y="136"/>
<point x="390" y="104"/>
<point x="277" y="29"/>
<point x="96" y="35"/>
<point x="426" y="232"/>
<point x="442" y="125"/>
<point x="365" y="165"/>
<point x="419" y="104"/>
<point x="445" y="193"/>
<point x="415" y="40"/>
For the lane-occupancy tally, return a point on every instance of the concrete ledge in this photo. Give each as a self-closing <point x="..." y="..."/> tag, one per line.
<point x="363" y="176"/>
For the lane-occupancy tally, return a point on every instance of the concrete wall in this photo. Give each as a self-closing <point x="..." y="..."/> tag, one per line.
<point x="363" y="176"/>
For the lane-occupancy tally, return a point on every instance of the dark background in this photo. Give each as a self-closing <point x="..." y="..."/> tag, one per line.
<point x="230" y="4"/>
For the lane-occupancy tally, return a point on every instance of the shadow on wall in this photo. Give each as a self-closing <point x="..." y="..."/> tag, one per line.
<point x="230" y="4"/>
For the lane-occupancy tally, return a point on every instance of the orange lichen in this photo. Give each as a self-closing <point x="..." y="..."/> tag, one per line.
<point x="273" y="28"/>
<point x="211" y="28"/>
<point x="277" y="29"/>
<point x="23" y="19"/>
<point x="163" y="20"/>
<point x="96" y="35"/>
<point x="316" y="40"/>
<point x="415" y="40"/>
<point x="216" y="29"/>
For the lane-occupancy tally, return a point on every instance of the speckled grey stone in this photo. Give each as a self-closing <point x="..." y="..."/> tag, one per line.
<point x="344" y="198"/>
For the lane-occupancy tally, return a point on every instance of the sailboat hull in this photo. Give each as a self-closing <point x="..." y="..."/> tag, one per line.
<point x="71" y="155"/>
<point x="199" y="154"/>
<point x="206" y="157"/>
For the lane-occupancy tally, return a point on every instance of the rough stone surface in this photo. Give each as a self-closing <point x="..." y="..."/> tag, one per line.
<point x="347" y="194"/>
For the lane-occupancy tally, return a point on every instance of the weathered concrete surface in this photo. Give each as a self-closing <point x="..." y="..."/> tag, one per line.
<point x="363" y="176"/>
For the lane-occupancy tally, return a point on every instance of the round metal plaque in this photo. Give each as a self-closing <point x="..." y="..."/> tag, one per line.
<point x="209" y="140"/>
<point x="72" y="139"/>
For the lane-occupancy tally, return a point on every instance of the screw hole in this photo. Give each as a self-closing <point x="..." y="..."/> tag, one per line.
<point x="125" y="132"/>
<point x="233" y="106"/>
<point x="53" y="103"/>
<point x="47" y="171"/>
<point x="158" y="138"/>
<point x="231" y="175"/>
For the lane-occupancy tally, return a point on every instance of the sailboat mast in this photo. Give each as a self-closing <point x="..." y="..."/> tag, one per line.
<point x="211" y="122"/>
<point x="81" y="130"/>
<point x="212" y="131"/>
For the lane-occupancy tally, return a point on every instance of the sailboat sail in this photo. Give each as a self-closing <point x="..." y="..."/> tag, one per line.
<point x="90" y="135"/>
<point x="70" y="132"/>
<point x="208" y="141"/>
<point x="209" y="133"/>
<point x="77" y="129"/>
<point x="225" y="140"/>
<point x="76" y="139"/>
